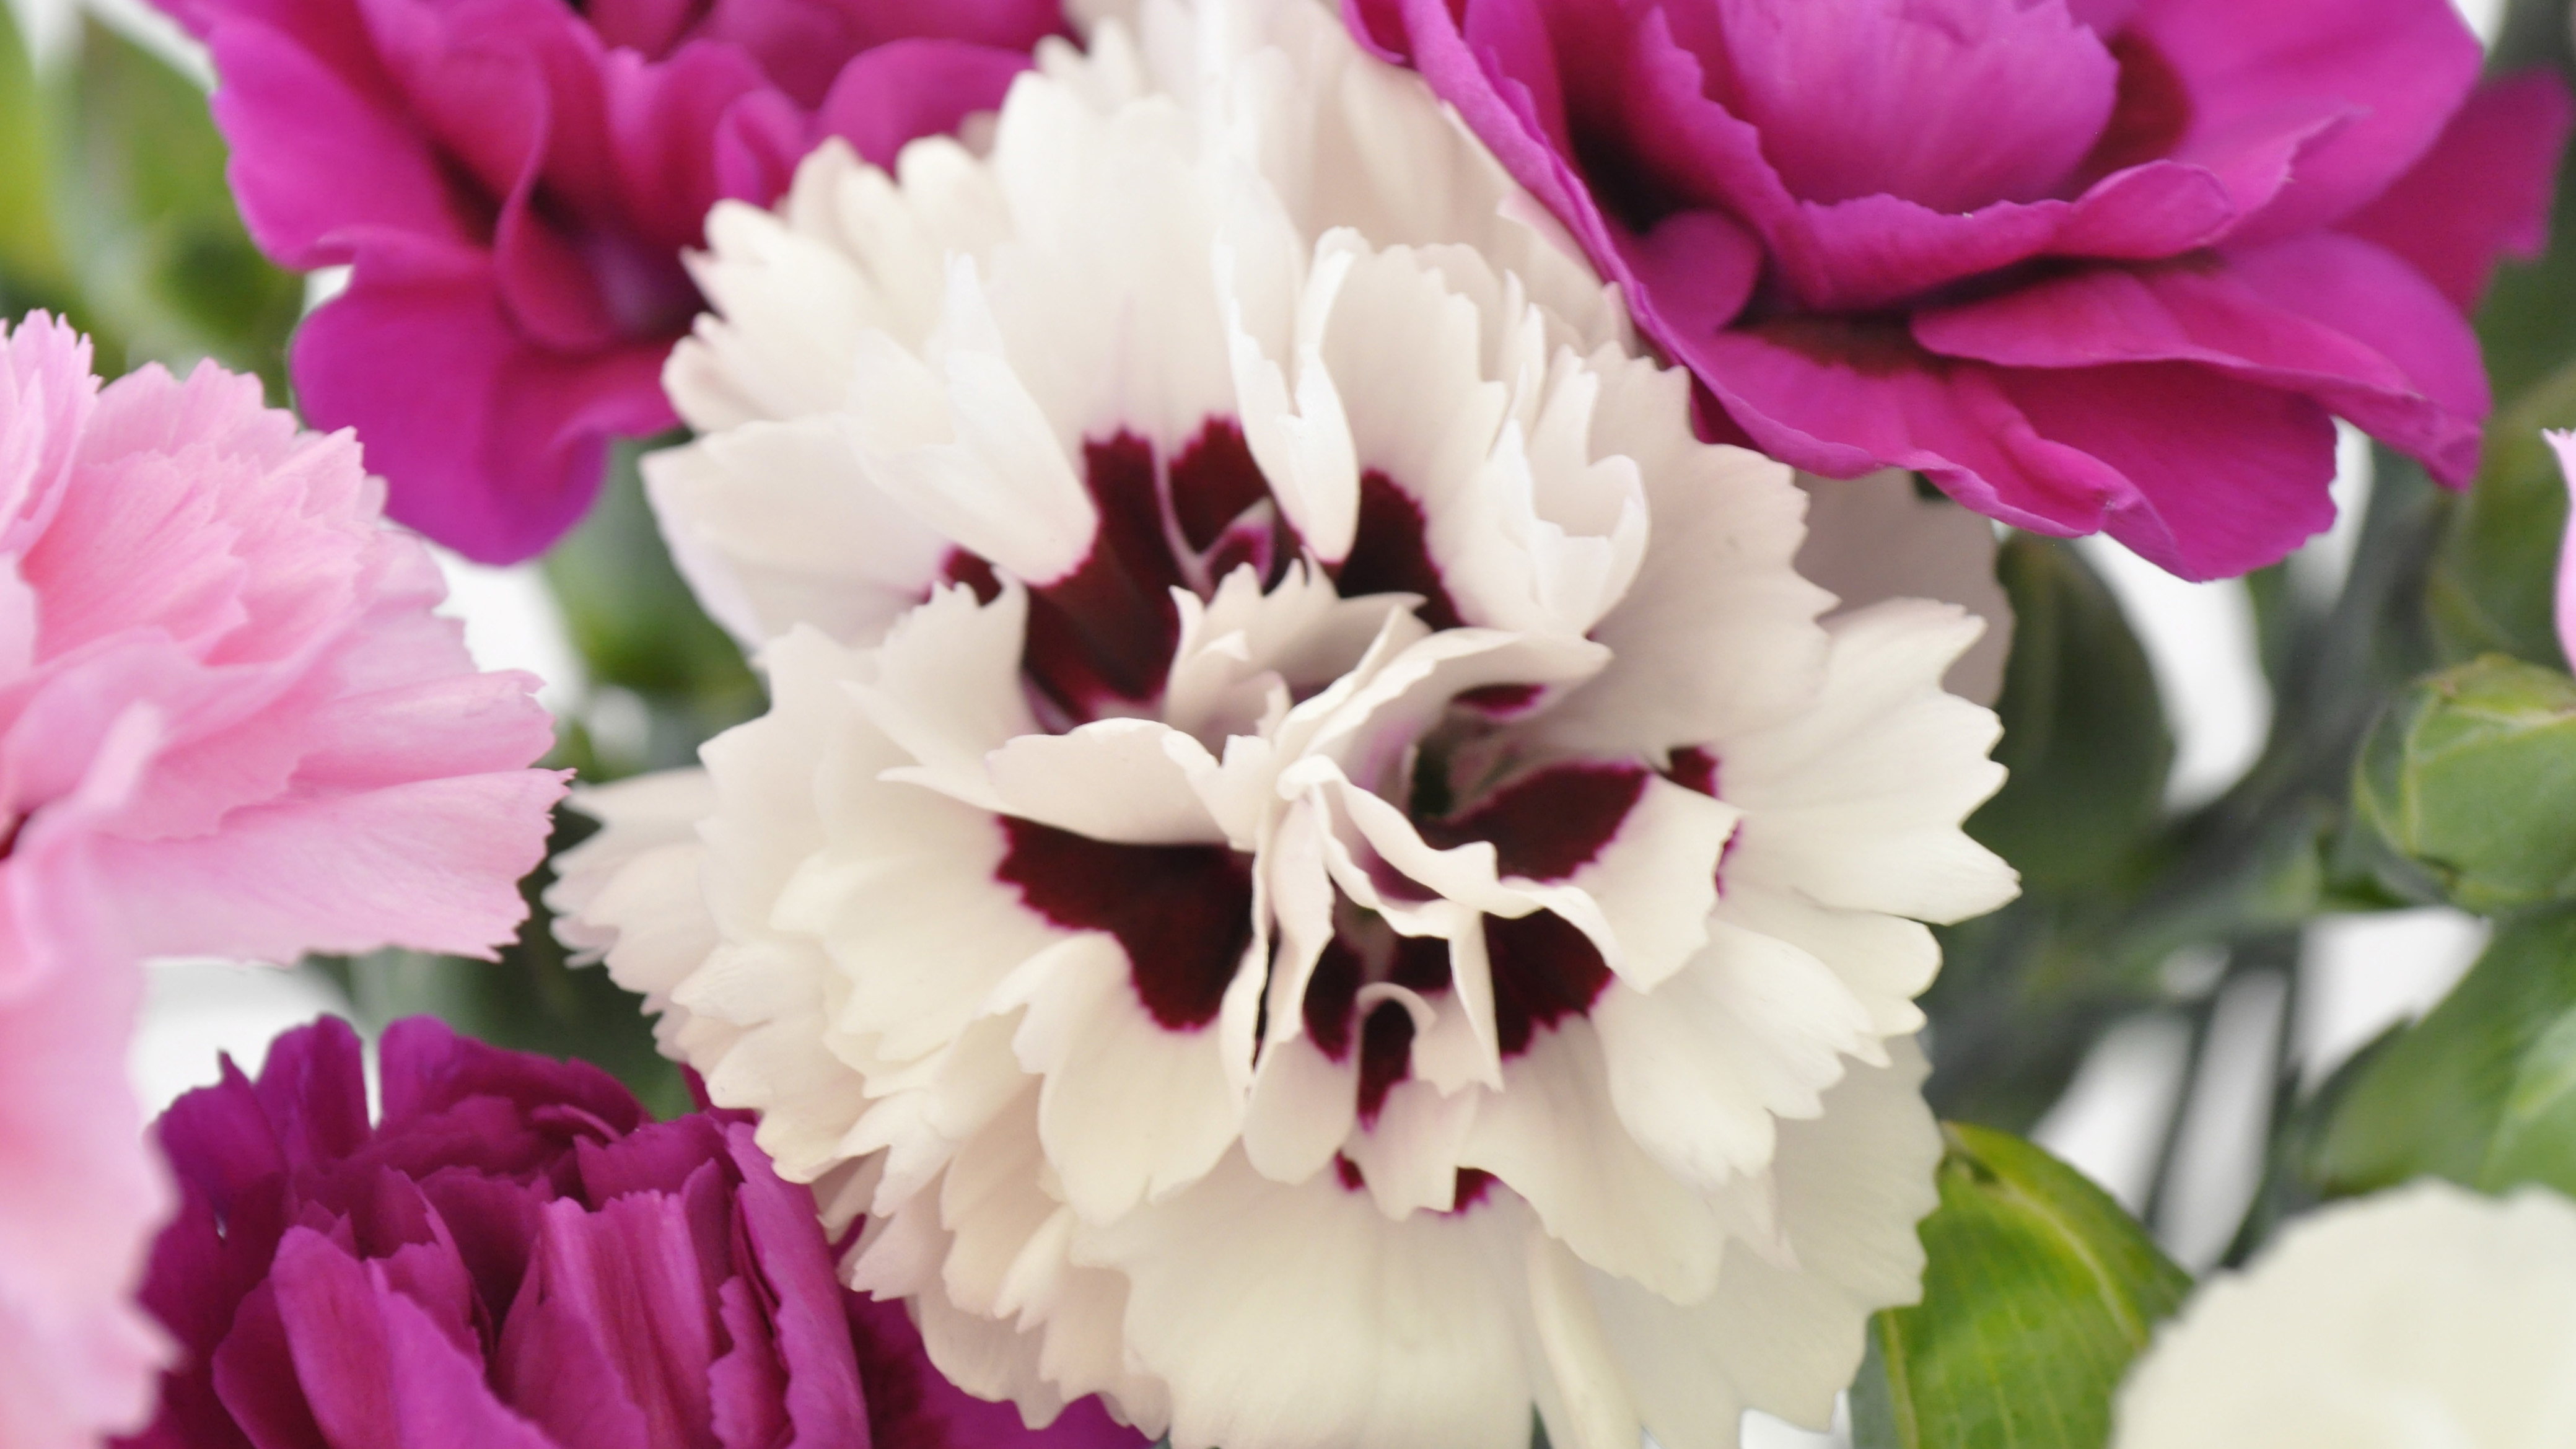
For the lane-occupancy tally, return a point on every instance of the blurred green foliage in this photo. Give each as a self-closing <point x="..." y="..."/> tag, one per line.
<point x="2038" y="1293"/>
<point x="2491" y="587"/>
<point x="2024" y="990"/>
<point x="2481" y="1091"/>
<point x="640" y="630"/>
<point x="115" y="214"/>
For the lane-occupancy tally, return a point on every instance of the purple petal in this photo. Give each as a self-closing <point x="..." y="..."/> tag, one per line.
<point x="2261" y="316"/>
<point x="492" y="1221"/>
<point x="1699" y="267"/>
<point x="2224" y="477"/>
<point x="2376" y="299"/>
<point x="426" y="1067"/>
<point x="616" y="1319"/>
<point x="825" y="1402"/>
<point x="439" y="1391"/>
<point x="433" y="1278"/>
<point x="336" y="1339"/>
<point x="794" y="42"/>
<point x="313" y="1089"/>
<point x="1952" y="104"/>
<point x="219" y="1139"/>
<point x="488" y="442"/>
<point x="2483" y="190"/>
<point x="255" y="1378"/>
<point x="1843" y="398"/>
<point x="2347" y="94"/>
<point x="318" y="155"/>
<point x="747" y="1388"/>
<point x="661" y="1157"/>
<point x="911" y="88"/>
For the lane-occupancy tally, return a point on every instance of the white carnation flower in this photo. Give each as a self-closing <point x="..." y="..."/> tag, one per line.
<point x="1311" y="866"/>
<point x="2428" y="1317"/>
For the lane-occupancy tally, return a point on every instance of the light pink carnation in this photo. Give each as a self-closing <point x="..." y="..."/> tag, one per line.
<point x="229" y="725"/>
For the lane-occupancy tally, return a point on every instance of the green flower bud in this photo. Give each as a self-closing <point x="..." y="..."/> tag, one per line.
<point x="2469" y="782"/>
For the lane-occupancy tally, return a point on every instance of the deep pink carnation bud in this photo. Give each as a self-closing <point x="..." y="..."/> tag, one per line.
<point x="2086" y="264"/>
<point x="515" y="181"/>
<point x="516" y="1257"/>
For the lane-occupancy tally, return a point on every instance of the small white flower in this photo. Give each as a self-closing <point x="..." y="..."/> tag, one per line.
<point x="1311" y="866"/>
<point x="2427" y="1317"/>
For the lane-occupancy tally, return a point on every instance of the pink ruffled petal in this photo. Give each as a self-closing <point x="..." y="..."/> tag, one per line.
<point x="2482" y="191"/>
<point x="80" y="1196"/>
<point x="428" y="864"/>
<point x="47" y="394"/>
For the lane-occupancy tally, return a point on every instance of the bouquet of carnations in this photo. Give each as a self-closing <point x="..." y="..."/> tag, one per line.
<point x="1296" y="725"/>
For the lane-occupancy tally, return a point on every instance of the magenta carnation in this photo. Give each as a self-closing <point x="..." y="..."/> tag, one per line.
<point x="515" y="1257"/>
<point x="2087" y="264"/>
<point x="229" y="725"/>
<point x="515" y="181"/>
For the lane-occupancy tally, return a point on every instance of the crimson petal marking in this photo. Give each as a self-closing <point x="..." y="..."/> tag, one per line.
<point x="1544" y="970"/>
<point x="1182" y="913"/>
<point x="1694" y="768"/>
<point x="1386" y="1056"/>
<point x="1214" y="482"/>
<point x="1550" y="823"/>
<point x="1391" y="555"/>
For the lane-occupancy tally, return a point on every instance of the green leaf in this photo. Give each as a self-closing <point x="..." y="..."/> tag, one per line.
<point x="2481" y="1091"/>
<point x="156" y="243"/>
<point x="2493" y="583"/>
<point x="2468" y="784"/>
<point x="2084" y="731"/>
<point x="2038" y="1293"/>
<point x="2535" y="1137"/>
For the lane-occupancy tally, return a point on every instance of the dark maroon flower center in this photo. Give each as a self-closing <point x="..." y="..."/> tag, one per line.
<point x="1099" y="644"/>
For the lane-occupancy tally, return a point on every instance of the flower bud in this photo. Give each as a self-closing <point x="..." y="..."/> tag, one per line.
<point x="2469" y="781"/>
